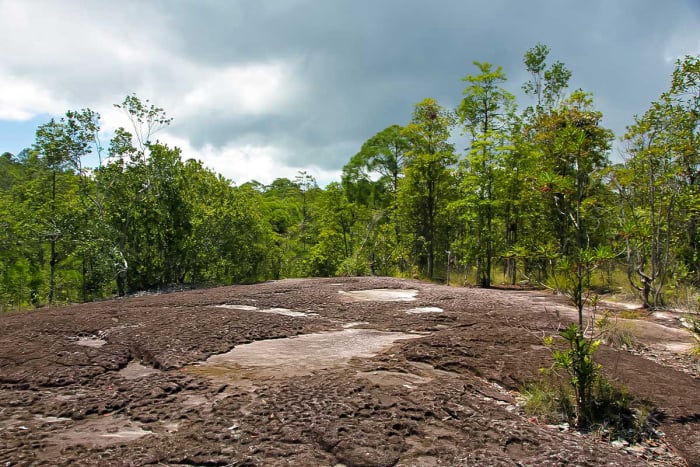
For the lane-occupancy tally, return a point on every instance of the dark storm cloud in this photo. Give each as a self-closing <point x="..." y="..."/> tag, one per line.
<point x="366" y="63"/>
<point x="349" y="68"/>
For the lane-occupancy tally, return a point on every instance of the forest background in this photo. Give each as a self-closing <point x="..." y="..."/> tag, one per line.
<point x="534" y="198"/>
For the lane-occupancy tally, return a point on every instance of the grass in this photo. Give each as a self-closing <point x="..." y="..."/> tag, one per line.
<point x="617" y="415"/>
<point x="615" y="333"/>
<point x="548" y="400"/>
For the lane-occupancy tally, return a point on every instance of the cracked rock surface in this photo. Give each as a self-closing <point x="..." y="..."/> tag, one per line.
<point x="175" y="379"/>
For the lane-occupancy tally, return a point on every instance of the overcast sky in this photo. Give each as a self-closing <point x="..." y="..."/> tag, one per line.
<point x="260" y="89"/>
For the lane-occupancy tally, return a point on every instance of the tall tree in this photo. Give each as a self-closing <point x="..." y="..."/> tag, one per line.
<point x="484" y="113"/>
<point x="426" y="188"/>
<point x="684" y="97"/>
<point x="383" y="157"/>
<point x="648" y="187"/>
<point x="547" y="85"/>
<point x="574" y="153"/>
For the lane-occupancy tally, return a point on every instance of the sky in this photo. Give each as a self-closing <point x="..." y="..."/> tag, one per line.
<point x="262" y="89"/>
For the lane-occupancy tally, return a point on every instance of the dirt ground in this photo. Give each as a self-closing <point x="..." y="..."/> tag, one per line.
<point x="384" y="372"/>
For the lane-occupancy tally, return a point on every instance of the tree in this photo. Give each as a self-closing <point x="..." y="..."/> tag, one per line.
<point x="62" y="144"/>
<point x="660" y="188"/>
<point x="484" y="113"/>
<point x="146" y="120"/>
<point x="383" y="154"/>
<point x="383" y="157"/>
<point x="546" y="84"/>
<point x="127" y="180"/>
<point x="573" y="151"/>
<point x="425" y="190"/>
<point x="649" y="190"/>
<point x="684" y="98"/>
<point x="306" y="184"/>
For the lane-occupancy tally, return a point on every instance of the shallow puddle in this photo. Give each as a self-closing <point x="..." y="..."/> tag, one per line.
<point x="51" y="419"/>
<point x="393" y="378"/>
<point x="424" y="309"/>
<point x="381" y="295"/>
<point x="298" y="355"/>
<point x="94" y="342"/>
<point x="354" y="324"/>
<point x="275" y="311"/>
<point x="135" y="370"/>
<point x="238" y="307"/>
<point x="96" y="431"/>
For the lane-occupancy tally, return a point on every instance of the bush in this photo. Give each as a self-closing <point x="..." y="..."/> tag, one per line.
<point x="354" y="266"/>
<point x="614" y="413"/>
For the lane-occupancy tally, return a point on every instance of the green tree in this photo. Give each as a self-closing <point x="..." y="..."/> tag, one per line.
<point x="547" y="85"/>
<point x="62" y="144"/>
<point x="428" y="183"/>
<point x="371" y="179"/>
<point x="127" y="182"/>
<point x="684" y="99"/>
<point x="648" y="187"/>
<point x="484" y="114"/>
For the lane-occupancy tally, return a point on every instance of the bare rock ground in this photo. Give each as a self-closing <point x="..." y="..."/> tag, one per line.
<point x="382" y="372"/>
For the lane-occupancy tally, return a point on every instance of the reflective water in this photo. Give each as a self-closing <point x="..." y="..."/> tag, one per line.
<point x="424" y="309"/>
<point x="381" y="295"/>
<point x="298" y="355"/>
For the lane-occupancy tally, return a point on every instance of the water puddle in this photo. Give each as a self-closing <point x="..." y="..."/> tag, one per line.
<point x="393" y="378"/>
<point x="298" y="355"/>
<point x="92" y="341"/>
<point x="134" y="370"/>
<point x="99" y="431"/>
<point x="276" y="311"/>
<point x="381" y="295"/>
<point x="354" y="324"/>
<point x="238" y="307"/>
<point x="51" y="419"/>
<point x="424" y="309"/>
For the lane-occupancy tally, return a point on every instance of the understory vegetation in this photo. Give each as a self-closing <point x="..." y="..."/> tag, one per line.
<point x="614" y="414"/>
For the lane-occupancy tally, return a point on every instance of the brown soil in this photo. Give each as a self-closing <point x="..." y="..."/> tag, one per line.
<point x="423" y="375"/>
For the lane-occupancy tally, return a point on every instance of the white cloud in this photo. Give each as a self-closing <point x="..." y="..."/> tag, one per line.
<point x="261" y="89"/>
<point x="254" y="88"/>
<point x="246" y="162"/>
<point x="21" y="100"/>
<point x="75" y="53"/>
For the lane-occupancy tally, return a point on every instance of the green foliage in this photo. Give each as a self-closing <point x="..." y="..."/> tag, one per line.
<point x="534" y="193"/>
<point x="577" y="361"/>
<point x="598" y="404"/>
<point x="615" y="413"/>
<point x="485" y="113"/>
<point x="428" y="183"/>
<point x="546" y="84"/>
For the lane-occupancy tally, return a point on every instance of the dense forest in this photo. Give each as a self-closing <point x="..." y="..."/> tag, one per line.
<point x="534" y="197"/>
